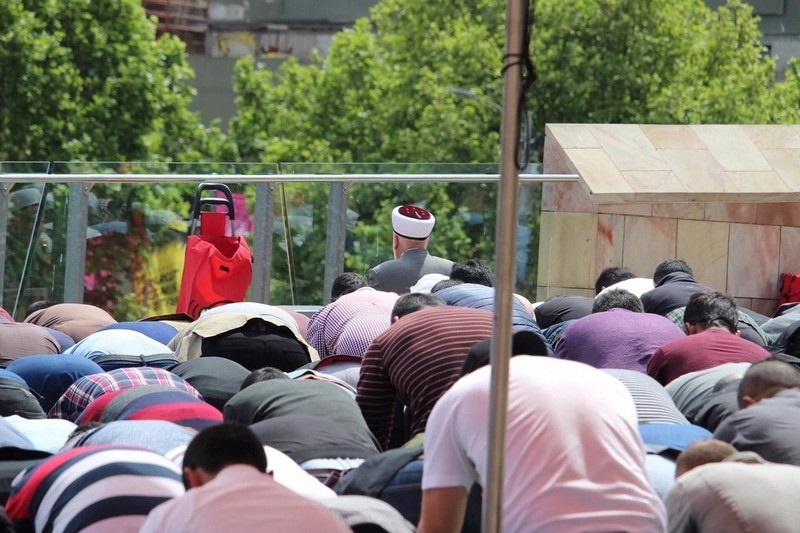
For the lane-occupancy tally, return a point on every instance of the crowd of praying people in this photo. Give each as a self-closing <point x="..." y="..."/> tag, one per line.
<point x="657" y="405"/>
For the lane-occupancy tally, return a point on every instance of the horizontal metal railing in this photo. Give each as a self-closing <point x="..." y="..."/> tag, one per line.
<point x="80" y="183"/>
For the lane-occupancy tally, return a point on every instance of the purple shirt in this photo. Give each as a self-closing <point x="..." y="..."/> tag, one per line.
<point x="617" y="338"/>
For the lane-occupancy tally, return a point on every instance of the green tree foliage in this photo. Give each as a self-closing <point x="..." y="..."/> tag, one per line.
<point x="384" y="94"/>
<point x="87" y="80"/>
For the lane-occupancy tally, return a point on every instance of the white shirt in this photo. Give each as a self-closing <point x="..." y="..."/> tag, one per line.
<point x="637" y="286"/>
<point x="574" y="458"/>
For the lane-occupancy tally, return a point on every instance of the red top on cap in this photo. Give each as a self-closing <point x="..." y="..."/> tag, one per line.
<point x="412" y="211"/>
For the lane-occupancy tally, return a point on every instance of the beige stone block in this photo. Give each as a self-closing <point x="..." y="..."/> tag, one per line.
<point x="764" y="306"/>
<point x="571" y="135"/>
<point x="637" y="209"/>
<point x="731" y="212"/>
<point x="544" y="292"/>
<point x="571" y="248"/>
<point x="753" y="259"/>
<point x="765" y="184"/>
<point x="545" y="236"/>
<point x="567" y="196"/>
<point x="628" y="147"/>
<point x="670" y="137"/>
<point x="699" y="173"/>
<point x="790" y="250"/>
<point x="610" y="240"/>
<point x="684" y="210"/>
<point x="555" y="159"/>
<point x="769" y="137"/>
<point x="778" y="214"/>
<point x="599" y="174"/>
<point x="786" y="163"/>
<point x="732" y="148"/>
<point x="655" y="185"/>
<point x="648" y="241"/>
<point x="704" y="245"/>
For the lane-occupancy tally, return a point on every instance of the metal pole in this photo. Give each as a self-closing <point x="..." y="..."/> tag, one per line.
<point x="262" y="242"/>
<point x="4" y="190"/>
<point x="75" y="254"/>
<point x="506" y="238"/>
<point x="337" y="234"/>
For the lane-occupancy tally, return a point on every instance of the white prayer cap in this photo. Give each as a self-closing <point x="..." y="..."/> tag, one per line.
<point x="426" y="282"/>
<point x="412" y="222"/>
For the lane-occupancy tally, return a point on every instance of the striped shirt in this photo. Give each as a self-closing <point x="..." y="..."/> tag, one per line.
<point x="349" y="326"/>
<point x="105" y="487"/>
<point x="416" y="361"/>
<point x="653" y="403"/>
<point x="88" y="388"/>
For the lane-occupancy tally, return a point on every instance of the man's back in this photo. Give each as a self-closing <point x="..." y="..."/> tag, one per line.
<point x="671" y="292"/>
<point x="707" y="349"/>
<point x="574" y="460"/>
<point x="770" y="427"/>
<point x="398" y="275"/>
<point x="735" y="497"/>
<point x="616" y="338"/>
<point x="240" y="498"/>
<point x="415" y="361"/>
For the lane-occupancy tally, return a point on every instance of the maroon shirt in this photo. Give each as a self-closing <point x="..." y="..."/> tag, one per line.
<point x="707" y="349"/>
<point x="416" y="360"/>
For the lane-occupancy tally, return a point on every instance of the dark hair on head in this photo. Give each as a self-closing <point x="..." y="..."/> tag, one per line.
<point x="766" y="378"/>
<point x="38" y="306"/>
<point x="263" y="374"/>
<point x="702" y="452"/>
<point x="668" y="267"/>
<point x="707" y="309"/>
<point x="223" y="445"/>
<point x="524" y="342"/>
<point x="617" y="299"/>
<point x="346" y="283"/>
<point x="445" y="284"/>
<point x="414" y="301"/>
<point x="611" y="275"/>
<point x="472" y="271"/>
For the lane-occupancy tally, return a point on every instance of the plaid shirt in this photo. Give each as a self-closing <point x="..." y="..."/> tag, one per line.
<point x="88" y="388"/>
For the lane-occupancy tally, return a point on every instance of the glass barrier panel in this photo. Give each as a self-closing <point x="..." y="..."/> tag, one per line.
<point x="136" y="233"/>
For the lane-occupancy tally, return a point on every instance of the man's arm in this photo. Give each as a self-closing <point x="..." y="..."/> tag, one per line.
<point x="376" y="395"/>
<point x="443" y="510"/>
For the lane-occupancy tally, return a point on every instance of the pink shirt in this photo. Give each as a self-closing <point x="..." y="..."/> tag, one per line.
<point x="240" y="498"/>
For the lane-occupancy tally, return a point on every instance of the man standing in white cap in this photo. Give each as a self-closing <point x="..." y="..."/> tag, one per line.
<point x="412" y="227"/>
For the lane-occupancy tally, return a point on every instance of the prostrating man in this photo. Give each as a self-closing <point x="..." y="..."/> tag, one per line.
<point x="768" y="420"/>
<point x="416" y="360"/>
<point x="617" y="334"/>
<point x="712" y="321"/>
<point x="574" y="462"/>
<point x="224" y="467"/>
<point x="412" y="226"/>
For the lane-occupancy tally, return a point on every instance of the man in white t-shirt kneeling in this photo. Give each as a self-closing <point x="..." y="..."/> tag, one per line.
<point x="574" y="457"/>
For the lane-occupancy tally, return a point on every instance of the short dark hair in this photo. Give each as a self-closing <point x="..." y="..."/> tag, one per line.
<point x="346" y="283"/>
<point x="472" y="271"/>
<point x="262" y="374"/>
<point x="445" y="284"/>
<point x="668" y="267"/>
<point x="702" y="452"/>
<point x="524" y="342"/>
<point x="617" y="299"/>
<point x="766" y="378"/>
<point x="707" y="309"/>
<point x="223" y="445"/>
<point x="611" y="275"/>
<point x="38" y="306"/>
<point x="414" y="301"/>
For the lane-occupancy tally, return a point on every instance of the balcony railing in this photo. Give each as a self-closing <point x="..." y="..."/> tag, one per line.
<point x="113" y="234"/>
